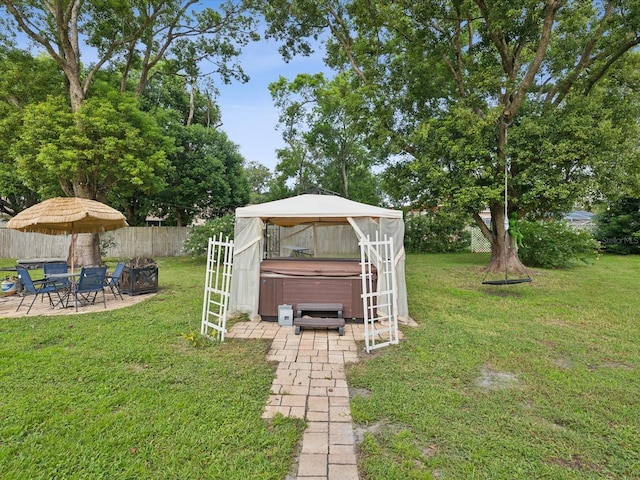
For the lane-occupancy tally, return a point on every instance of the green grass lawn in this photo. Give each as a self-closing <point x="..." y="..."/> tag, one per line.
<point x="530" y="381"/>
<point x="124" y="395"/>
<point x="518" y="382"/>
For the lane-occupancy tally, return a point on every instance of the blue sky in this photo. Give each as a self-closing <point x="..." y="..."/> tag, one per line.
<point x="248" y="114"/>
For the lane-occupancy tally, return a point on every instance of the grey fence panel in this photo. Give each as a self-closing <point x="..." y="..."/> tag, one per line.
<point x="145" y="242"/>
<point x="338" y="240"/>
<point x="168" y="241"/>
<point x="123" y="243"/>
<point x="19" y="245"/>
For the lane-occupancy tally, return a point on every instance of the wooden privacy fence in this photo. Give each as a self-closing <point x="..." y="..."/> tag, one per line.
<point x="132" y="242"/>
<point x="123" y="243"/>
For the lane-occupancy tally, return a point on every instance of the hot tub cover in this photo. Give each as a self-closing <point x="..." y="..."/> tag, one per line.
<point x="307" y="267"/>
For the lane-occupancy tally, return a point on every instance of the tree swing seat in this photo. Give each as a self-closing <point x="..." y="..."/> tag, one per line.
<point x="506" y="281"/>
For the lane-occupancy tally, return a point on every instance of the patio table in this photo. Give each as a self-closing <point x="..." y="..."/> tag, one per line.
<point x="54" y="279"/>
<point x="34" y="263"/>
<point x="62" y="276"/>
<point x="298" y="251"/>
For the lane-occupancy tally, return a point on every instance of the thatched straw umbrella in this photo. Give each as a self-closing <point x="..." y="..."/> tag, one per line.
<point x="68" y="216"/>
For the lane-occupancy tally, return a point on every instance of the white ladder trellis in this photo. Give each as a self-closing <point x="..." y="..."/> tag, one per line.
<point x="379" y="298"/>
<point x="217" y="287"/>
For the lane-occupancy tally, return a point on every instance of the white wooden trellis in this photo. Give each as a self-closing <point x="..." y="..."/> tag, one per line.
<point x="379" y="298"/>
<point x="217" y="287"/>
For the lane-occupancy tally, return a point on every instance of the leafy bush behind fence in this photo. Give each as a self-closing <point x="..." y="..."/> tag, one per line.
<point x="555" y="244"/>
<point x="440" y="232"/>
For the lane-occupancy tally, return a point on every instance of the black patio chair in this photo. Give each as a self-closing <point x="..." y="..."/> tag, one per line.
<point x="90" y="283"/>
<point x="112" y="281"/>
<point x="35" y="288"/>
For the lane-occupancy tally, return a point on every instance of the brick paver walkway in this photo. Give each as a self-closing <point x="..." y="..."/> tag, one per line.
<point x="310" y="383"/>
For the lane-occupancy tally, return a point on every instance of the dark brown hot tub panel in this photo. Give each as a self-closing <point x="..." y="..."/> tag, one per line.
<point x="322" y="281"/>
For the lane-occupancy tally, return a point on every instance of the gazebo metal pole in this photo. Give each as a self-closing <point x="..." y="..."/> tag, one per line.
<point x="315" y="242"/>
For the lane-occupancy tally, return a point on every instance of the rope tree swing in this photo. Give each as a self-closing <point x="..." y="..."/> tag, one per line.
<point x="505" y="242"/>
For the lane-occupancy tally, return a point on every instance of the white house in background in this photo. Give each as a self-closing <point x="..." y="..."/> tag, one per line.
<point x="153" y="221"/>
<point x="580" y="219"/>
<point x="485" y="215"/>
<point x="577" y="218"/>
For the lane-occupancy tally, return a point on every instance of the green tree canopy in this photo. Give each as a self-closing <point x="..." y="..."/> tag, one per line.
<point x="25" y="80"/>
<point x="193" y="104"/>
<point x="109" y="142"/>
<point x="259" y="177"/>
<point x="618" y="228"/>
<point x="326" y="146"/>
<point x="134" y="40"/>
<point x="458" y="91"/>
<point x="207" y="178"/>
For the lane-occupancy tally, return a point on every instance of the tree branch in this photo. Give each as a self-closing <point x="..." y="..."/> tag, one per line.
<point x="545" y="37"/>
<point x="458" y="50"/>
<point x="497" y="38"/>
<point x="560" y="90"/>
<point x="457" y="78"/>
<point x="345" y="42"/>
<point x="26" y="25"/>
<point x="601" y="72"/>
<point x="488" y="234"/>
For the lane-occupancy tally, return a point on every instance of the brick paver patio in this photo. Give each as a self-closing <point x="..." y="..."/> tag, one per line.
<point x="311" y="383"/>
<point x="42" y="307"/>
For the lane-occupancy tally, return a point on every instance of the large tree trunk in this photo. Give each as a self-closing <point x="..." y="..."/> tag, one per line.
<point x="86" y="245"/>
<point x="345" y="179"/>
<point x="504" y="251"/>
<point x="86" y="250"/>
<point x="504" y="258"/>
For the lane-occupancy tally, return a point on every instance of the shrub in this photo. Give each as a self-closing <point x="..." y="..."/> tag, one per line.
<point x="618" y="229"/>
<point x="554" y="244"/>
<point x="198" y="238"/>
<point x="436" y="232"/>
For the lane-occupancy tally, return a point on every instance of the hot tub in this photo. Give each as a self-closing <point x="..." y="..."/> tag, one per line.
<point x="289" y="281"/>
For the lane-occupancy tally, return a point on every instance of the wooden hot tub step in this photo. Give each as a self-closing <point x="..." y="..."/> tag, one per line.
<point x="306" y="321"/>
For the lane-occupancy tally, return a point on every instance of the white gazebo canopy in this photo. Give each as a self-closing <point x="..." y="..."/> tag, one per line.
<point x="366" y="220"/>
